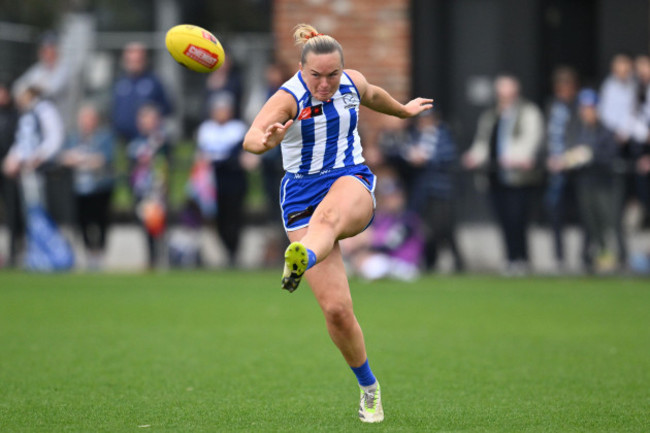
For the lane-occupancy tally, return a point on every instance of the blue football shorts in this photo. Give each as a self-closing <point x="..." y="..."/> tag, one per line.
<point x="300" y="194"/>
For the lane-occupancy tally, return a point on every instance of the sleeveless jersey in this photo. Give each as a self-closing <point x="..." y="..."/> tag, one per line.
<point x="324" y="134"/>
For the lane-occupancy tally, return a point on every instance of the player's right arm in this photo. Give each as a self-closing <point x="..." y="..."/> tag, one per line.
<point x="271" y="123"/>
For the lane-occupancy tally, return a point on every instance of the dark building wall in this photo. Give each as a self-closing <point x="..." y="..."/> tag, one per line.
<point x="456" y="42"/>
<point x="568" y="37"/>
<point x="430" y="49"/>
<point x="460" y="44"/>
<point x="623" y="26"/>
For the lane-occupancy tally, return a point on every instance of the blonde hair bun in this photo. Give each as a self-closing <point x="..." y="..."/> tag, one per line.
<point x="303" y="32"/>
<point x="313" y="42"/>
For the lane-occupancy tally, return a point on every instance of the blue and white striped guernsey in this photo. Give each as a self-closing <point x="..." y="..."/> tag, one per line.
<point x="324" y="134"/>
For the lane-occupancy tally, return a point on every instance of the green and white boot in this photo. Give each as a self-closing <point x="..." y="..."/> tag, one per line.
<point x="295" y="265"/>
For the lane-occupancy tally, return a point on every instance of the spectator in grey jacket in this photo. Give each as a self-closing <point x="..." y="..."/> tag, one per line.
<point x="52" y="75"/>
<point x="507" y="142"/>
<point x="39" y="136"/>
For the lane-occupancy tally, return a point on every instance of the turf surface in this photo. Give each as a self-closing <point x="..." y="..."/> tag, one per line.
<point x="229" y="351"/>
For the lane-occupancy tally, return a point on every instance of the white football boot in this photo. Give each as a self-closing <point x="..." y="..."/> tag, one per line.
<point x="370" y="408"/>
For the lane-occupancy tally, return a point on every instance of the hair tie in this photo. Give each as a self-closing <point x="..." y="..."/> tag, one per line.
<point x="313" y="35"/>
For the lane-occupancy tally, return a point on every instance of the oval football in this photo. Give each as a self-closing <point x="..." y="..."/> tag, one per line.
<point x="195" y="48"/>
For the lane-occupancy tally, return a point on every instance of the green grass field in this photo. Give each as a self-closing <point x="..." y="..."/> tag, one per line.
<point x="229" y="351"/>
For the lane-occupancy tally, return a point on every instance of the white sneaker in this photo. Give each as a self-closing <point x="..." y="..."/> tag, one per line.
<point x="370" y="408"/>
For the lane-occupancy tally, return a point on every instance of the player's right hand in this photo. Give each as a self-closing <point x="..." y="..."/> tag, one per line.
<point x="275" y="133"/>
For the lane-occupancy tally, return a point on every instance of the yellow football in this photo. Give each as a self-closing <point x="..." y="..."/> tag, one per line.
<point x="195" y="48"/>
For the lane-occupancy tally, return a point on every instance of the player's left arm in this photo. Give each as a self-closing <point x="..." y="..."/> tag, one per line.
<point x="378" y="99"/>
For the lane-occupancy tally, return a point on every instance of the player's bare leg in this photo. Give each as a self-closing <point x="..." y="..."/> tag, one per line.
<point x="329" y="282"/>
<point x="345" y="211"/>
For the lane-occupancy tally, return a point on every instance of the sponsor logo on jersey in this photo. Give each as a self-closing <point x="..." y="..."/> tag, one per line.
<point x="201" y="55"/>
<point x="309" y="112"/>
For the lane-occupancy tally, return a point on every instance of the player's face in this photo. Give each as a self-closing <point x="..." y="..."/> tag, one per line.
<point x="322" y="74"/>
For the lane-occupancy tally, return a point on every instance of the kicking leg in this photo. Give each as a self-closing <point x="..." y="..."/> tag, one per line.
<point x="344" y="212"/>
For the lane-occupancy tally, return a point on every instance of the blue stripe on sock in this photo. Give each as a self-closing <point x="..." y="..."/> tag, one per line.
<point x="364" y="374"/>
<point x="311" y="258"/>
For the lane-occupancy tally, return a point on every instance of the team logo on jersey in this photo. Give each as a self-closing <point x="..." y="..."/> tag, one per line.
<point x="350" y="101"/>
<point x="309" y="112"/>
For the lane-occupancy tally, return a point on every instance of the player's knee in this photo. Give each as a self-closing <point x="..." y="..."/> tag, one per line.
<point x="329" y="217"/>
<point x="338" y="313"/>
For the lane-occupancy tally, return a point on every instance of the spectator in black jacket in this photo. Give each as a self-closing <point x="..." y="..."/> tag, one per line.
<point x="432" y="157"/>
<point x="9" y="192"/>
<point x="562" y="122"/>
<point x="600" y="189"/>
<point x="136" y="87"/>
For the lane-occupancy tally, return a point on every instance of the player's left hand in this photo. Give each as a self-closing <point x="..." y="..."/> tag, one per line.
<point x="417" y="106"/>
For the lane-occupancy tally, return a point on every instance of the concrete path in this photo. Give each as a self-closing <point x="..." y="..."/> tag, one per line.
<point x="480" y="244"/>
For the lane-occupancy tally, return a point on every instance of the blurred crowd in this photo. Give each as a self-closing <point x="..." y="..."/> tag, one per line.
<point x="586" y="150"/>
<point x="585" y="156"/>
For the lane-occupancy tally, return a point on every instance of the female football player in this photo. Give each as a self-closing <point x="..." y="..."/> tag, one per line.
<point x="327" y="193"/>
